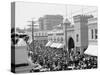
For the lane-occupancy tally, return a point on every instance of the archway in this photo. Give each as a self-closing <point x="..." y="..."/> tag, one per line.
<point x="70" y="44"/>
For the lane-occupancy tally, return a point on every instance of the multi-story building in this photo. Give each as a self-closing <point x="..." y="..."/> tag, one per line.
<point x="56" y="36"/>
<point x="41" y="23"/>
<point x="40" y="36"/>
<point x="49" y="21"/>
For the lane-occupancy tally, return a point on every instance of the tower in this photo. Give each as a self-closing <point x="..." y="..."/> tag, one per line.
<point x="66" y="24"/>
<point x="81" y="32"/>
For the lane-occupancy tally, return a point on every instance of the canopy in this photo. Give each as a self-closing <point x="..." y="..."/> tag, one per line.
<point x="21" y="42"/>
<point x="57" y="45"/>
<point x="60" y="45"/>
<point x="92" y="50"/>
<point x="54" y="45"/>
<point x="49" y="43"/>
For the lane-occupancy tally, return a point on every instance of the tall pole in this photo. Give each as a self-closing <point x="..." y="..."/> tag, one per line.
<point x="32" y="25"/>
<point x="32" y="30"/>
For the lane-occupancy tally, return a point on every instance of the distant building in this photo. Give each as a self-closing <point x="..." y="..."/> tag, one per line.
<point x="56" y="36"/>
<point x="40" y="36"/>
<point x="49" y="21"/>
<point x="41" y="23"/>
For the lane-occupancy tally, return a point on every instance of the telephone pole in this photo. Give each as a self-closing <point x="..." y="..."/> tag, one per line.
<point x="32" y="26"/>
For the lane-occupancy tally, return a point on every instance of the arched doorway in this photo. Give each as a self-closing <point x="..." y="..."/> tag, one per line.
<point x="70" y="44"/>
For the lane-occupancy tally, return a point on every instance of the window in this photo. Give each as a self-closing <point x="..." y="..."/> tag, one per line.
<point x="45" y="34"/>
<point x="42" y="34"/>
<point x="92" y="33"/>
<point x="35" y="34"/>
<point x="51" y="39"/>
<point x="61" y="39"/>
<point x="57" y="39"/>
<point x="96" y="34"/>
<point x="77" y="37"/>
<point x="39" y="34"/>
<point x="50" y="34"/>
<point x="60" y="34"/>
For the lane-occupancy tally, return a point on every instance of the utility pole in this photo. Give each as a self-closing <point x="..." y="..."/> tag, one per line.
<point x="32" y="26"/>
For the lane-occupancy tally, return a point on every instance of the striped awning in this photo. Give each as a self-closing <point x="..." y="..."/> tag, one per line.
<point x="60" y="45"/>
<point x="49" y="43"/>
<point x="92" y="50"/>
<point x="57" y="45"/>
<point x="54" y="45"/>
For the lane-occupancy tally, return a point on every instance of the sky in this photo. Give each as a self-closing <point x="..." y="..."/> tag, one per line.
<point x="26" y="11"/>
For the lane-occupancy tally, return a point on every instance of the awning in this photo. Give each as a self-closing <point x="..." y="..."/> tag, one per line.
<point x="53" y="45"/>
<point x="92" y="50"/>
<point x="60" y="45"/>
<point x="49" y="43"/>
<point x="57" y="45"/>
<point x="21" y="42"/>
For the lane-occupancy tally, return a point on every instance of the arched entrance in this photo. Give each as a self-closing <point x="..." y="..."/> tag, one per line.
<point x="70" y="44"/>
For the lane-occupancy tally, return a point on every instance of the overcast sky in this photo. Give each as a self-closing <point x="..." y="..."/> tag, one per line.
<point x="25" y="11"/>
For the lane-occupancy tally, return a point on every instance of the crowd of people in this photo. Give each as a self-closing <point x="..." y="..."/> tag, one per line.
<point x="54" y="59"/>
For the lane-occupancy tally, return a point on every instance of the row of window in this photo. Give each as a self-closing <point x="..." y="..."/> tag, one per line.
<point x="50" y="34"/>
<point x="60" y="34"/>
<point x="56" y="39"/>
<point x="45" y="34"/>
<point x="94" y="33"/>
<point x="56" y="34"/>
<point x="40" y="34"/>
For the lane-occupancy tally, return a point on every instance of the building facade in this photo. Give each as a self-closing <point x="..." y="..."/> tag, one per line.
<point x="79" y="36"/>
<point x="49" y="21"/>
<point x="92" y="31"/>
<point x="41" y="23"/>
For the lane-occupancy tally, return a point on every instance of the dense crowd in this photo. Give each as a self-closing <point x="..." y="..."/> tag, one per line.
<point x="53" y="59"/>
<point x="56" y="59"/>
